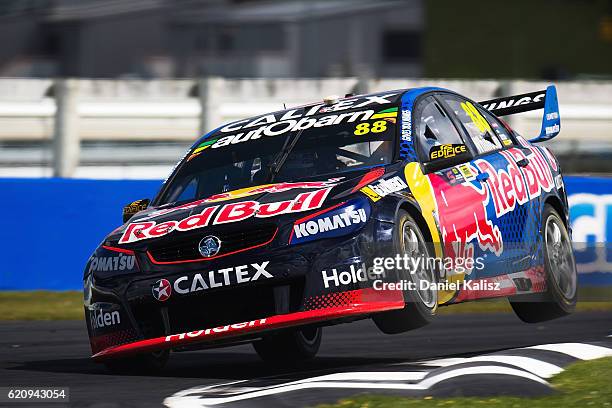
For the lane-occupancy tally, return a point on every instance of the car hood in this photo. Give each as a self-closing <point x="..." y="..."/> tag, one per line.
<point x="248" y="205"/>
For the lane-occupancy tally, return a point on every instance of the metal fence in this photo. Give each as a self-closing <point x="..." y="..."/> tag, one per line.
<point x="137" y="129"/>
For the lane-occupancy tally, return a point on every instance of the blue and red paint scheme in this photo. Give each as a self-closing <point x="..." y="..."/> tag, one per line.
<point x="488" y="205"/>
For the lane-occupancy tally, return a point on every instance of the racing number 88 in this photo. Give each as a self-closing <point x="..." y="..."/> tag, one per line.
<point x="364" y="128"/>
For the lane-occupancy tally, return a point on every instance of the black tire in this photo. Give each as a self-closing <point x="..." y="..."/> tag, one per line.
<point x="561" y="276"/>
<point x="149" y="363"/>
<point x="289" y="346"/>
<point x="420" y="308"/>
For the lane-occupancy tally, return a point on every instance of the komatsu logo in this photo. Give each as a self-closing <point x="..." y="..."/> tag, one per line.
<point x="337" y="221"/>
<point x="119" y="262"/>
<point x="341" y="219"/>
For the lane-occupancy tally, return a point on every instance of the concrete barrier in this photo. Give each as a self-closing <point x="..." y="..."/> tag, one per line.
<point x="179" y="110"/>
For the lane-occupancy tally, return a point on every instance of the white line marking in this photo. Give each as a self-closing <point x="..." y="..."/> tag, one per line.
<point x="441" y="362"/>
<point x="183" y="399"/>
<point x="534" y="366"/>
<point x="580" y="351"/>
<point x="428" y="382"/>
<point x="373" y="376"/>
<point x="528" y="368"/>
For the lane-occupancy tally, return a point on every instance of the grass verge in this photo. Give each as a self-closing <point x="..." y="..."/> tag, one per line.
<point x="68" y="305"/>
<point x="590" y="299"/>
<point x="41" y="305"/>
<point x="583" y="384"/>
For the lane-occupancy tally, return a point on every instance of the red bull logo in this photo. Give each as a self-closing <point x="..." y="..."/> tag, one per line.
<point x="245" y="192"/>
<point x="462" y="207"/>
<point x="462" y="210"/>
<point x="537" y="172"/>
<point x="506" y="186"/>
<point x="228" y="213"/>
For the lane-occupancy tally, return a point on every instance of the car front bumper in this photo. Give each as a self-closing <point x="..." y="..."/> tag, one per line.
<point x="313" y="283"/>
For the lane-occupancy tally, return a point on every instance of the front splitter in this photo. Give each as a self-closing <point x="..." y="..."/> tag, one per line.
<point x="356" y="302"/>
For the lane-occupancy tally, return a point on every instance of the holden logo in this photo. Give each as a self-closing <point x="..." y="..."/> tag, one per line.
<point x="209" y="246"/>
<point x="162" y="290"/>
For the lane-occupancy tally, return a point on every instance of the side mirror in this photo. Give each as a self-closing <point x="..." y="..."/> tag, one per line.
<point x="132" y="208"/>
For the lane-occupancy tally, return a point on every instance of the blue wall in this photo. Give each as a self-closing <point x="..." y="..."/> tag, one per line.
<point x="51" y="226"/>
<point x="590" y="200"/>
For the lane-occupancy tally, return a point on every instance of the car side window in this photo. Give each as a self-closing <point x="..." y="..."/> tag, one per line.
<point x="498" y="127"/>
<point x="437" y="137"/>
<point x="475" y="124"/>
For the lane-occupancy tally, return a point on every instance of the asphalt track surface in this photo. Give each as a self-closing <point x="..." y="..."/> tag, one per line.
<point x="57" y="354"/>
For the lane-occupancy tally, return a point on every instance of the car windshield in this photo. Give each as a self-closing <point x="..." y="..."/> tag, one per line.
<point x="326" y="143"/>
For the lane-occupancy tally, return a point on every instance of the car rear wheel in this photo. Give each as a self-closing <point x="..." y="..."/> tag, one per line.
<point x="422" y="302"/>
<point x="139" y="364"/>
<point x="561" y="277"/>
<point x="289" y="345"/>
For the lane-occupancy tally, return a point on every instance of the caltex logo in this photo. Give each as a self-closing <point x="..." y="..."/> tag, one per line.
<point x="162" y="290"/>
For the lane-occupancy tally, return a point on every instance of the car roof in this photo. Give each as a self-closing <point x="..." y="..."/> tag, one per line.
<point x="391" y="96"/>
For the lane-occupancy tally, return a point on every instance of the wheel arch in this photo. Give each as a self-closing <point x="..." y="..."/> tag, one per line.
<point x="555" y="202"/>
<point x="415" y="212"/>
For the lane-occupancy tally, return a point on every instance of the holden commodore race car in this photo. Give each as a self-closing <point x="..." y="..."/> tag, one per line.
<point x="383" y="206"/>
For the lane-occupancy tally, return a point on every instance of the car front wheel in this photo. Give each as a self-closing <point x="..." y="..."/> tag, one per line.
<point x="139" y="364"/>
<point x="420" y="303"/>
<point x="289" y="346"/>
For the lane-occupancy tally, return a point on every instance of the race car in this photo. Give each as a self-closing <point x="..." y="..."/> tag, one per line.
<point x="383" y="206"/>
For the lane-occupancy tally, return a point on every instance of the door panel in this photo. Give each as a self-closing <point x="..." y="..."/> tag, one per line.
<point x="459" y="198"/>
<point x="504" y="193"/>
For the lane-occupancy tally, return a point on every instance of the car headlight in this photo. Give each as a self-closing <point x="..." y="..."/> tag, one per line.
<point x="87" y="290"/>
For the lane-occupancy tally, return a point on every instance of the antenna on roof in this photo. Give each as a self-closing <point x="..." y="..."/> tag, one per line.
<point x="331" y="99"/>
<point x="284" y="105"/>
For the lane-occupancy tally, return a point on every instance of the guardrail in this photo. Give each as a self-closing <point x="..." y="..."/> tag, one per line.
<point x="51" y="227"/>
<point x="34" y="112"/>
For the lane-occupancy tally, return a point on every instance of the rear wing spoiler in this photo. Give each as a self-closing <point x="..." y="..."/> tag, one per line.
<point x="547" y="99"/>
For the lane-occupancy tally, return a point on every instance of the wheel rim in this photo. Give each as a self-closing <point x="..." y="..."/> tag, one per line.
<point x="309" y="335"/>
<point x="159" y="354"/>
<point x="560" y="257"/>
<point x="414" y="247"/>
